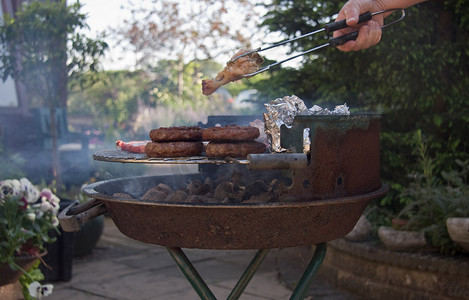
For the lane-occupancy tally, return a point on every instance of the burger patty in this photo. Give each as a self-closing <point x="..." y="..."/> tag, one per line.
<point x="239" y="149"/>
<point x="228" y="133"/>
<point x="173" y="149"/>
<point x="174" y="134"/>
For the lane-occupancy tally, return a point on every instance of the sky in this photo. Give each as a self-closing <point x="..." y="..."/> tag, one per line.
<point x="102" y="15"/>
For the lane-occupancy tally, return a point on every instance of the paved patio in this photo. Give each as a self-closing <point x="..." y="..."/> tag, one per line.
<point x="122" y="268"/>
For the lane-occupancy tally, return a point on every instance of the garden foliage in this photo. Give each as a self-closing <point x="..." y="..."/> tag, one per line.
<point x="417" y="77"/>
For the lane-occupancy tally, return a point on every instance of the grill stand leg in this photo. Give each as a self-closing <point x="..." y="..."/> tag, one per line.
<point x="247" y="275"/>
<point x="308" y="276"/>
<point x="191" y="273"/>
<point x="205" y="293"/>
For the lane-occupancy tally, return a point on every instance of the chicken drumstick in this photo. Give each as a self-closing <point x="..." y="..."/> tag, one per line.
<point x="233" y="71"/>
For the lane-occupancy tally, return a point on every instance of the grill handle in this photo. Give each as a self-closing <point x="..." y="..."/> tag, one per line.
<point x="277" y="161"/>
<point x="76" y="214"/>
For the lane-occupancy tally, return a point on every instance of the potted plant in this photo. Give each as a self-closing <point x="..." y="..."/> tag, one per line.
<point x="435" y="199"/>
<point x="457" y="222"/>
<point x="27" y="216"/>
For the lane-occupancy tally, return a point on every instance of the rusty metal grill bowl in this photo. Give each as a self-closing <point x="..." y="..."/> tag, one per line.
<point x="218" y="226"/>
<point x="328" y="194"/>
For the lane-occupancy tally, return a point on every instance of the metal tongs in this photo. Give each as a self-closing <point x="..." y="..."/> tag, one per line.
<point x="328" y="28"/>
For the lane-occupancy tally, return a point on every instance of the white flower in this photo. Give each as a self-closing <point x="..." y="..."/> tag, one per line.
<point x="55" y="202"/>
<point x="46" y="205"/>
<point x="47" y="193"/>
<point x="36" y="290"/>
<point x="31" y="216"/>
<point x="49" y="201"/>
<point x="55" y="221"/>
<point x="10" y="187"/>
<point x="39" y="214"/>
<point x="31" y="194"/>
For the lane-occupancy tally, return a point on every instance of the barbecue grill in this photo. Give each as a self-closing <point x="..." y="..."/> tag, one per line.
<point x="328" y="189"/>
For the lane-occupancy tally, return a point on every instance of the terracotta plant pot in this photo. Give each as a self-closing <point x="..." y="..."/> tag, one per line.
<point x="458" y="229"/>
<point x="7" y="275"/>
<point x="398" y="224"/>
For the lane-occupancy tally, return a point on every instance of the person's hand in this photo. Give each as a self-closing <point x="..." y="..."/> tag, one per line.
<point x="369" y="33"/>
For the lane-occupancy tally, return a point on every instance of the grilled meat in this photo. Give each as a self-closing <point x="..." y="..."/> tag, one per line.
<point x="233" y="71"/>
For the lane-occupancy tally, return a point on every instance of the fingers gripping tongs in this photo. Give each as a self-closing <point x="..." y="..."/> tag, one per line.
<point x="328" y="29"/>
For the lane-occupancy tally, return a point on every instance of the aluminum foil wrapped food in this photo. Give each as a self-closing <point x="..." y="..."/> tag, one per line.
<point x="283" y="111"/>
<point x="338" y="110"/>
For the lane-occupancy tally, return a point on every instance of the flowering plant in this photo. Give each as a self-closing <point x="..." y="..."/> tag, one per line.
<point x="27" y="215"/>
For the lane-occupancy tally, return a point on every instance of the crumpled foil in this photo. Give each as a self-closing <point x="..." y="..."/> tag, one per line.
<point x="283" y="111"/>
<point x="338" y="110"/>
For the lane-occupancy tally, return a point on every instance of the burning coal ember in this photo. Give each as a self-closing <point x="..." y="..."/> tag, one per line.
<point x="229" y="185"/>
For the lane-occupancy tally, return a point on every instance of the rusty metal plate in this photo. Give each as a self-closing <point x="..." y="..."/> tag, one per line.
<point x="345" y="155"/>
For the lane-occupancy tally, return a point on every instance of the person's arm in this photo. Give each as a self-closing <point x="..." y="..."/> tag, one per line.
<point x="369" y="33"/>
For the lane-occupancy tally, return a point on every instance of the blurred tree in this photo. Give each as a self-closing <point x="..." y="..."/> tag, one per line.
<point x="186" y="30"/>
<point x="41" y="47"/>
<point x="111" y="102"/>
